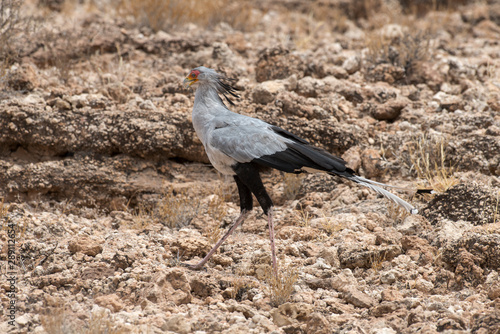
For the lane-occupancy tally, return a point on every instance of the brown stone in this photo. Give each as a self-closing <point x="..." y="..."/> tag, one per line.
<point x="85" y="245"/>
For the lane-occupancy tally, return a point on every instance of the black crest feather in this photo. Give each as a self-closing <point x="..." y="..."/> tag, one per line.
<point x="225" y="87"/>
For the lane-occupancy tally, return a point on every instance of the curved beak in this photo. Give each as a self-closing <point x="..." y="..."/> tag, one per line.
<point x="188" y="82"/>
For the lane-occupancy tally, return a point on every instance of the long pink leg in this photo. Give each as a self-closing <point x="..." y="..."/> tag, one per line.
<point x="237" y="223"/>
<point x="271" y="238"/>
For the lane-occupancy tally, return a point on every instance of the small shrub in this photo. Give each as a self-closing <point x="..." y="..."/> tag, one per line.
<point x="406" y="51"/>
<point x="13" y="27"/>
<point x="421" y="7"/>
<point x="14" y="31"/>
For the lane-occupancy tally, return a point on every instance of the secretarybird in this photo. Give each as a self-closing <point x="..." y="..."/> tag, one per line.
<point x="240" y="146"/>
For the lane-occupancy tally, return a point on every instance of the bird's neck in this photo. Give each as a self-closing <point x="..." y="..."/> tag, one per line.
<point x="207" y="104"/>
<point x="206" y="98"/>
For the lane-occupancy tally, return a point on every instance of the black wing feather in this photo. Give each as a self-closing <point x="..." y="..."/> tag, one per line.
<point x="300" y="154"/>
<point x="289" y="161"/>
<point x="289" y="135"/>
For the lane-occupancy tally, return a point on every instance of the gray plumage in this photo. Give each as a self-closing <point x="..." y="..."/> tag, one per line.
<point x="231" y="139"/>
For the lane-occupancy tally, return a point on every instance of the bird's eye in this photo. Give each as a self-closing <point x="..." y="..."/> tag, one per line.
<point x="192" y="75"/>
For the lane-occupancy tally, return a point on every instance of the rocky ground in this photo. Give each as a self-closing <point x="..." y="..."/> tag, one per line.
<point x="105" y="188"/>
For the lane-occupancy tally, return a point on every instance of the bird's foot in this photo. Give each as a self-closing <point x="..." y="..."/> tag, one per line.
<point x="193" y="266"/>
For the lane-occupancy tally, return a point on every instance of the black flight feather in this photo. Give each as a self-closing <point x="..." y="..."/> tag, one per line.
<point x="300" y="154"/>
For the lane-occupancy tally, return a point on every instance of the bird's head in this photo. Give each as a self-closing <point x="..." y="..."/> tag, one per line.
<point x="220" y="82"/>
<point x="202" y="74"/>
<point x="192" y="78"/>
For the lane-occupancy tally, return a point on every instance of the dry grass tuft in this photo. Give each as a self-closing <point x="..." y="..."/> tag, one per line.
<point x="305" y="29"/>
<point x="4" y="208"/>
<point x="496" y="214"/>
<point x="396" y="213"/>
<point x="217" y="204"/>
<point x="292" y="183"/>
<point x="4" y="72"/>
<point x="330" y="226"/>
<point x="175" y="261"/>
<point x="175" y="208"/>
<point x="427" y="156"/>
<point x="213" y="232"/>
<point x="377" y="259"/>
<point x="57" y="322"/>
<point x="142" y="217"/>
<point x="112" y="77"/>
<point x="217" y="209"/>
<point x="303" y="217"/>
<point x="281" y="286"/>
<point x="101" y="321"/>
<point x="164" y="14"/>
<point x="240" y="285"/>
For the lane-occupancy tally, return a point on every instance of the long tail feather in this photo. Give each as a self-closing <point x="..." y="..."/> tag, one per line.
<point x="375" y="187"/>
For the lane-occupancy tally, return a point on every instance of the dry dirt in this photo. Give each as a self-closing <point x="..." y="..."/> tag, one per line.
<point x="105" y="188"/>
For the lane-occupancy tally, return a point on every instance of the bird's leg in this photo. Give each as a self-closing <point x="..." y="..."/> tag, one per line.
<point x="271" y="237"/>
<point x="249" y="181"/>
<point x="236" y="223"/>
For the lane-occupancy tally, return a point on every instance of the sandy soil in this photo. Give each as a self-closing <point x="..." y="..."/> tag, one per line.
<point x="105" y="189"/>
